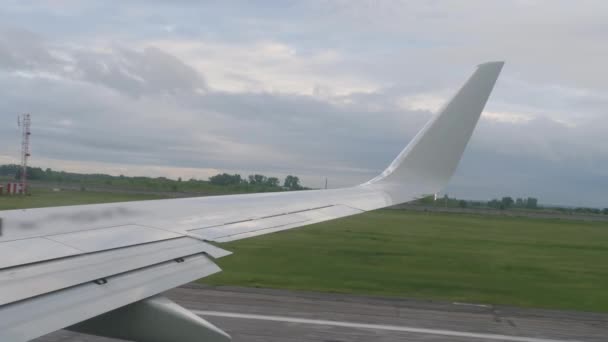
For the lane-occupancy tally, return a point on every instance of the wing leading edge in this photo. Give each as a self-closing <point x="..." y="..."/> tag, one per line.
<point x="53" y="256"/>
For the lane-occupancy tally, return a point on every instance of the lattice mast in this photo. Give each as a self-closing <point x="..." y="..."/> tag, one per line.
<point x="24" y="122"/>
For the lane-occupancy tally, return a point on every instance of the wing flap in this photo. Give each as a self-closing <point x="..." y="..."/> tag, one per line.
<point x="36" y="316"/>
<point x="37" y="279"/>
<point x="50" y="247"/>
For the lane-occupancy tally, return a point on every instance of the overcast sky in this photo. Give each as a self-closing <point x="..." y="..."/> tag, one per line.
<point x="313" y="88"/>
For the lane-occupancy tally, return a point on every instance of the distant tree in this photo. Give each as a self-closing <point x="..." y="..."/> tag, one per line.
<point x="9" y="170"/>
<point x="426" y="200"/>
<point x="179" y="179"/>
<point x="494" y="204"/>
<point x="531" y="203"/>
<point x="446" y="200"/>
<point x="586" y="210"/>
<point x="462" y="203"/>
<point x="224" y="179"/>
<point x="272" y="181"/>
<point x="35" y="173"/>
<point x="507" y="202"/>
<point x="292" y="183"/>
<point x="257" y="179"/>
<point x="32" y="173"/>
<point x="519" y="202"/>
<point x="605" y="211"/>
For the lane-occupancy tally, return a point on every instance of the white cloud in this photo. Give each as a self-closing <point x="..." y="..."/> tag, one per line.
<point x="507" y="117"/>
<point x="266" y="66"/>
<point x="422" y="102"/>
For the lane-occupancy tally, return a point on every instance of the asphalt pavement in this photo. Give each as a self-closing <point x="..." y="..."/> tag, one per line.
<point x="266" y="315"/>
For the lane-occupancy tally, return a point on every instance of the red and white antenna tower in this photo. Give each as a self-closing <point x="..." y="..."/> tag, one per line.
<point x="24" y="122"/>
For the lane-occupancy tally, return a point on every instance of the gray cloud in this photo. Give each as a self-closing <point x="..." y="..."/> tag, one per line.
<point x="22" y="49"/>
<point x="149" y="71"/>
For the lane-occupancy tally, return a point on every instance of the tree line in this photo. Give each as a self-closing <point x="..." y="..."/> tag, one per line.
<point x="504" y="203"/>
<point x="508" y="202"/>
<point x="225" y="183"/>
<point x="220" y="183"/>
<point x="290" y="182"/>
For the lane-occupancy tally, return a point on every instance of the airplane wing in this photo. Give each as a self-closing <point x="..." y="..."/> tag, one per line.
<point x="98" y="268"/>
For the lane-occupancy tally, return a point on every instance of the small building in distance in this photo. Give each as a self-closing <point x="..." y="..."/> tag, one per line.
<point x="14" y="188"/>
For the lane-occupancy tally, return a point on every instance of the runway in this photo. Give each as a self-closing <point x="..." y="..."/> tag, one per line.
<point x="256" y="315"/>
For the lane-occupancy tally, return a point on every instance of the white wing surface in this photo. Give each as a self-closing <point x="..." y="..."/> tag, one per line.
<point x="65" y="265"/>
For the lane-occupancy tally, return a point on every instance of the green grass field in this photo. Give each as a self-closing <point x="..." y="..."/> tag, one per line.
<point x="513" y="261"/>
<point x="546" y="263"/>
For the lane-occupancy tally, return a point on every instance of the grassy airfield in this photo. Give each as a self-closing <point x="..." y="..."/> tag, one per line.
<point x="544" y="263"/>
<point x="532" y="262"/>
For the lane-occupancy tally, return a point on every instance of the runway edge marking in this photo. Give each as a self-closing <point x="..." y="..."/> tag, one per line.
<point x="377" y="327"/>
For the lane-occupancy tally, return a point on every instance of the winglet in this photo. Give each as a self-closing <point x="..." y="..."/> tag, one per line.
<point x="430" y="159"/>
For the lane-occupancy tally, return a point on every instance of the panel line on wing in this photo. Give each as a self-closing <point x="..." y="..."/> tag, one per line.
<point x="110" y="238"/>
<point x="35" y="280"/>
<point x="297" y="211"/>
